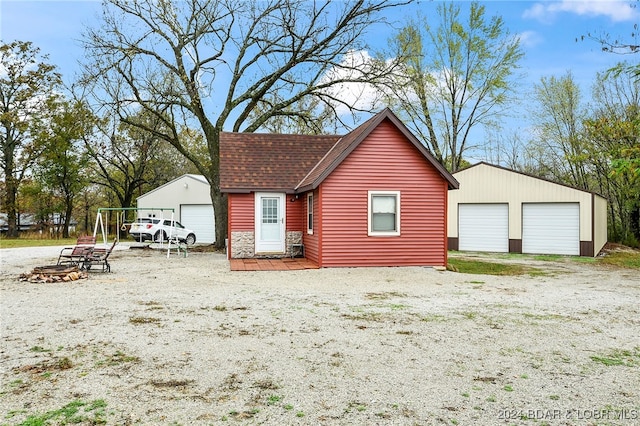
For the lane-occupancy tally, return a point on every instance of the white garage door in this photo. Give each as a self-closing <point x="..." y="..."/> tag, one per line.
<point x="199" y="218"/>
<point x="483" y="227"/>
<point x="551" y="228"/>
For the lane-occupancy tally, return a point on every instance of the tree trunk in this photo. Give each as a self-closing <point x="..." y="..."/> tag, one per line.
<point x="634" y="216"/>
<point x="220" y="209"/>
<point x="67" y="218"/>
<point x="86" y="214"/>
<point x="11" y="206"/>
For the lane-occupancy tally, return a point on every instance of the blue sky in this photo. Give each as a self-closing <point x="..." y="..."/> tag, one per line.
<point x="548" y="31"/>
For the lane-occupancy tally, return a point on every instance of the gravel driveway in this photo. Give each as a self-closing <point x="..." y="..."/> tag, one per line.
<point x="185" y="341"/>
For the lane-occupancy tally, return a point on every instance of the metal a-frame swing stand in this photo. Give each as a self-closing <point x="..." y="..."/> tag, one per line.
<point x="121" y="224"/>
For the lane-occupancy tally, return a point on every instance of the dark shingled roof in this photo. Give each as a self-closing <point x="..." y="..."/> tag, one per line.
<point x="261" y="161"/>
<point x="298" y="163"/>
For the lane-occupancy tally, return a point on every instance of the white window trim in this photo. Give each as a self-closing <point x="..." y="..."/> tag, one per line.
<point x="373" y="233"/>
<point x="310" y="223"/>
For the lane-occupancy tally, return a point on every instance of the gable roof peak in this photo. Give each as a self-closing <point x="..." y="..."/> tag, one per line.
<point x="345" y="145"/>
<point x="299" y="163"/>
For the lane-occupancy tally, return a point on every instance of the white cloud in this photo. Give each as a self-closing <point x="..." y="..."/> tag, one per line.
<point x="616" y="10"/>
<point x="529" y="38"/>
<point x="538" y="11"/>
<point x="356" y="94"/>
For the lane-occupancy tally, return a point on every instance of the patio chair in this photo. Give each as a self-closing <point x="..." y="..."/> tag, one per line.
<point x="99" y="256"/>
<point x="77" y="254"/>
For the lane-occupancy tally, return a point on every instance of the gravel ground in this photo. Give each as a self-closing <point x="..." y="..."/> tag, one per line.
<point x="185" y="341"/>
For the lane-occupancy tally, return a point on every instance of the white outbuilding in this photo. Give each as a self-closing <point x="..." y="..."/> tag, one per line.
<point x="190" y="199"/>
<point x="501" y="210"/>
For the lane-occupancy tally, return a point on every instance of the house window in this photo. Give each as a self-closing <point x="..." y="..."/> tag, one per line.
<point x="310" y="213"/>
<point x="384" y="213"/>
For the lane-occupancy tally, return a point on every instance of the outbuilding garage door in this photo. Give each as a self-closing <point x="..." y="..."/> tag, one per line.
<point x="483" y="227"/>
<point x="551" y="228"/>
<point x="199" y="218"/>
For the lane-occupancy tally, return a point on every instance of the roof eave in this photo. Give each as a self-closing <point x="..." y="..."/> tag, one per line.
<point x="186" y="175"/>
<point x="531" y="176"/>
<point x="251" y="190"/>
<point x="306" y="188"/>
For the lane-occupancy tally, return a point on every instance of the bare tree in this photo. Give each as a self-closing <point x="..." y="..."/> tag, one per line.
<point x="558" y="115"/>
<point x="507" y="149"/>
<point x="613" y="135"/>
<point x="129" y="160"/>
<point x="620" y="44"/>
<point x="455" y="77"/>
<point x="209" y="63"/>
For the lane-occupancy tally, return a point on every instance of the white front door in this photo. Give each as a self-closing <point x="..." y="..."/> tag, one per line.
<point x="270" y="222"/>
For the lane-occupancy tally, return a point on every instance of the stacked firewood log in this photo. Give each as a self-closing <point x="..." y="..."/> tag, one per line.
<point x="54" y="274"/>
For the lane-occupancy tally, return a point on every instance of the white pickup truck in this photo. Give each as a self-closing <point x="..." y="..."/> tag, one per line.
<point x="160" y="230"/>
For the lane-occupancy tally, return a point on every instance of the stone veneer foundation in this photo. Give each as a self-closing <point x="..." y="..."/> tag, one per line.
<point x="243" y="244"/>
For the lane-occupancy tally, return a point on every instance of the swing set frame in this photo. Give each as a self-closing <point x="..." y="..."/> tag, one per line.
<point x="121" y="223"/>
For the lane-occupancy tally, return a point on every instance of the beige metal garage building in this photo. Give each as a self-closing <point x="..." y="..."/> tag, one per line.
<point x="501" y="210"/>
<point x="190" y="198"/>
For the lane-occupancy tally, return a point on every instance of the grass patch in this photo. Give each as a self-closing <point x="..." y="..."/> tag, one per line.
<point x="116" y="359"/>
<point x="469" y="314"/>
<point x="465" y="266"/>
<point x="273" y="399"/>
<point x="398" y="306"/>
<point x="548" y="257"/>
<point x="359" y="406"/>
<point x="583" y="259"/>
<point x="545" y="317"/>
<point x="35" y="242"/>
<point x="58" y="364"/>
<point x="73" y="413"/>
<point x="39" y="349"/>
<point x="629" y="358"/>
<point x="384" y="295"/>
<point x="624" y="259"/>
<point x="365" y="316"/>
<point x="433" y="318"/>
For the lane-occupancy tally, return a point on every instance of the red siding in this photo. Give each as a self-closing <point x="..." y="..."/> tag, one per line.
<point x="241" y="212"/>
<point x="384" y="161"/>
<point x="311" y="240"/>
<point x="295" y="213"/>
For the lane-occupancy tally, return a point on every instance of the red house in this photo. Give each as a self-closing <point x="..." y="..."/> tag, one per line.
<point x="373" y="197"/>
